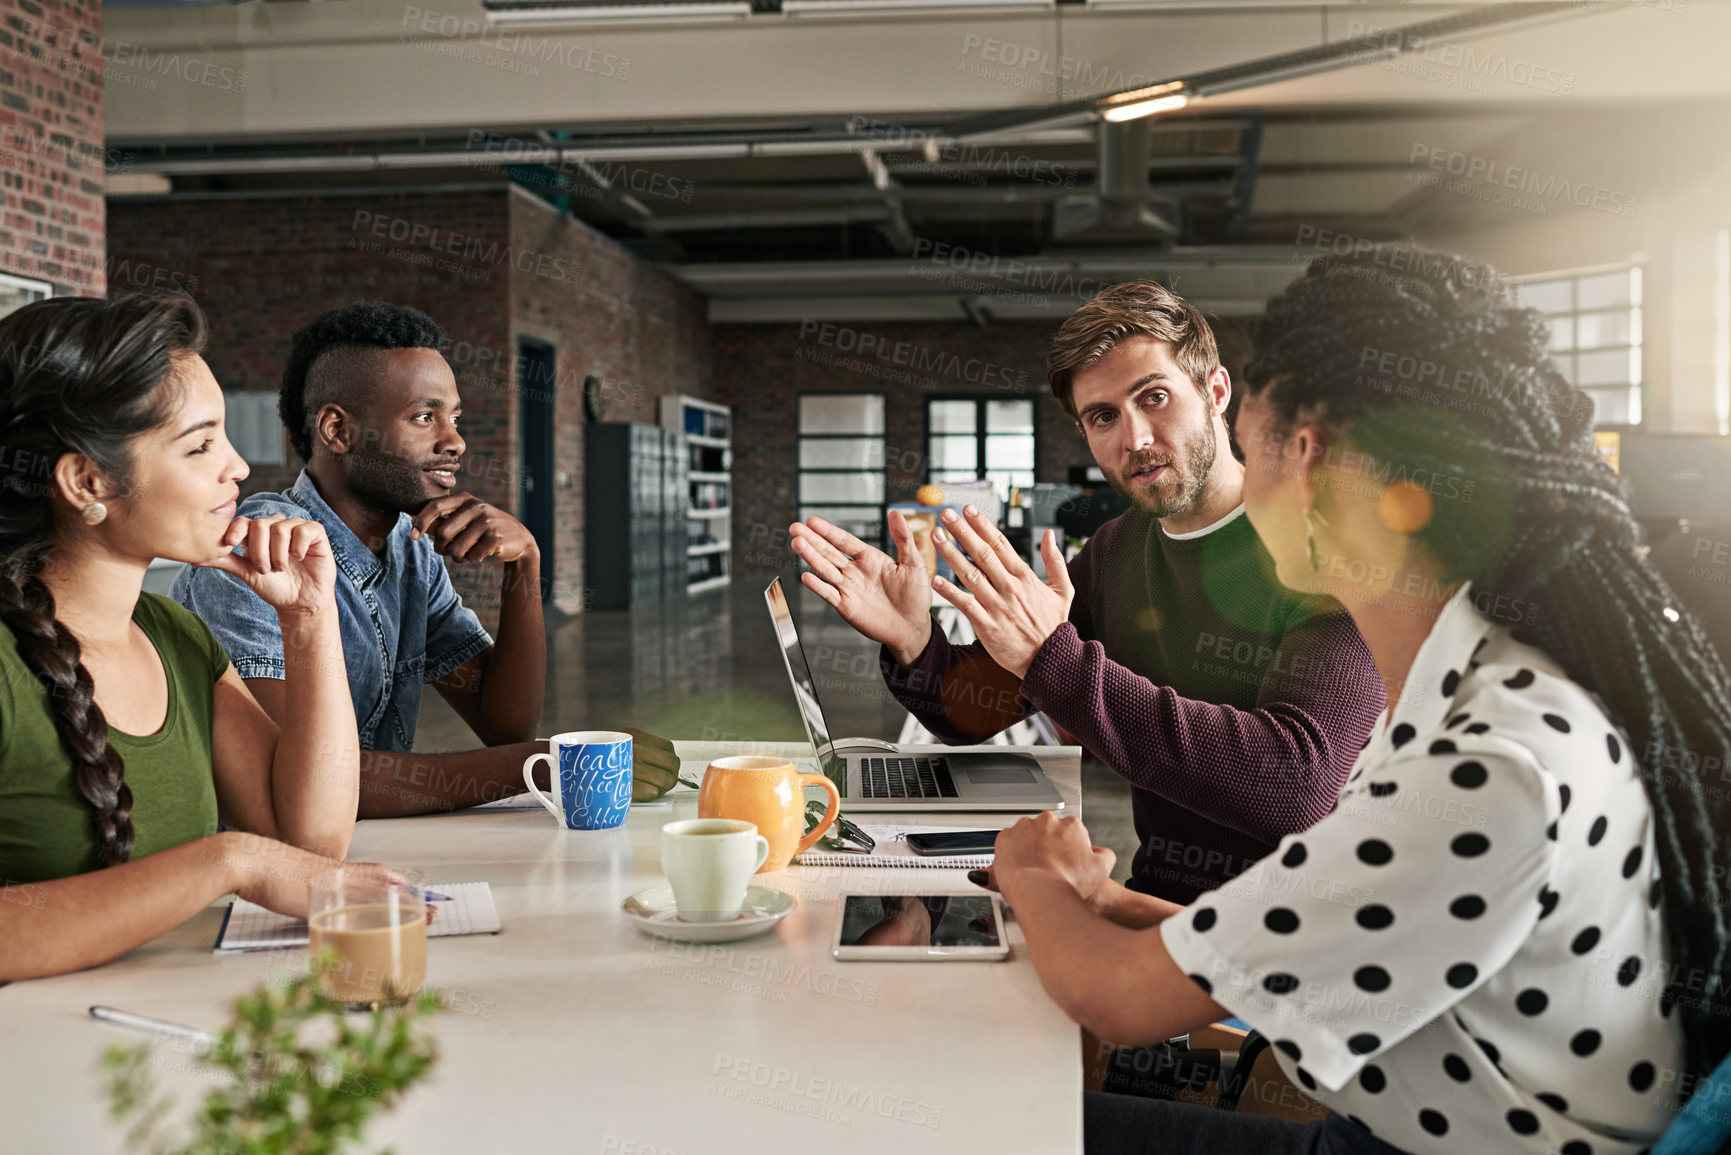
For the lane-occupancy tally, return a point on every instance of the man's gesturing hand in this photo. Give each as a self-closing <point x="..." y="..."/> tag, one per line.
<point x="887" y="601"/>
<point x="1013" y="612"/>
<point x="465" y="528"/>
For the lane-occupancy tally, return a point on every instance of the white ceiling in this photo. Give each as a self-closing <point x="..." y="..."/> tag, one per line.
<point x="366" y="67"/>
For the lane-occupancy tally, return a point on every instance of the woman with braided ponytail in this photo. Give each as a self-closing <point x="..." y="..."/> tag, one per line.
<point x="124" y="734"/>
<point x="1511" y="933"/>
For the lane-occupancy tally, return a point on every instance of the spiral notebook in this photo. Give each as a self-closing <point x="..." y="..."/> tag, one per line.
<point x="467" y="908"/>
<point x="893" y="850"/>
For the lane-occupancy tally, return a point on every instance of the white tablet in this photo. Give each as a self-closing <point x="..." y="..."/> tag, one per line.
<point x="936" y="927"/>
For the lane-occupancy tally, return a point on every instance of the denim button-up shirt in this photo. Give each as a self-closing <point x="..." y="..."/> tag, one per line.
<point x="402" y="623"/>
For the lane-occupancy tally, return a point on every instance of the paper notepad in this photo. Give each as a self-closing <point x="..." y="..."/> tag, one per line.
<point x="523" y="801"/>
<point x="893" y="850"/>
<point x="248" y="926"/>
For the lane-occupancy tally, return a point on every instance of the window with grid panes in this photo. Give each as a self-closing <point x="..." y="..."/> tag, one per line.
<point x="970" y="438"/>
<point x="16" y="292"/>
<point x="253" y="426"/>
<point x="841" y="461"/>
<point x="1595" y="322"/>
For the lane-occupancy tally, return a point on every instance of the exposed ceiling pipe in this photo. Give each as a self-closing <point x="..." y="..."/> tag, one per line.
<point x="875" y="214"/>
<point x="903" y="139"/>
<point x="895" y="230"/>
<point x="751" y="277"/>
<point x="1234" y="279"/>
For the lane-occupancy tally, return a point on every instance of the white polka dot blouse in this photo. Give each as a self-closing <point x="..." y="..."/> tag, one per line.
<point x="1467" y="954"/>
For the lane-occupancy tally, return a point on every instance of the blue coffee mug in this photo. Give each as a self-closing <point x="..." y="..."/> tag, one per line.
<point x="591" y="778"/>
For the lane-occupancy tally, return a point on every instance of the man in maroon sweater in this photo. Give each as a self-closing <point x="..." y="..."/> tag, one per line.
<point x="1233" y="706"/>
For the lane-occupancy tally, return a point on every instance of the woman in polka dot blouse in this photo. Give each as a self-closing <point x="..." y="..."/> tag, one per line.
<point x="1510" y="933"/>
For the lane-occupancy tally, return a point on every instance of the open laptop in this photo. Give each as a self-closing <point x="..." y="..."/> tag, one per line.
<point x="880" y="777"/>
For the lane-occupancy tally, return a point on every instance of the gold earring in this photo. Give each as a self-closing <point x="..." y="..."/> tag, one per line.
<point x="94" y="513"/>
<point x="1311" y="517"/>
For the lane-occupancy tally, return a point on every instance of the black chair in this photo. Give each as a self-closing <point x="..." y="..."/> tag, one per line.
<point x="1163" y="1070"/>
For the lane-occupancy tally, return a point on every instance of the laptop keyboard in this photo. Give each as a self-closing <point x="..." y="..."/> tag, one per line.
<point x="906" y="778"/>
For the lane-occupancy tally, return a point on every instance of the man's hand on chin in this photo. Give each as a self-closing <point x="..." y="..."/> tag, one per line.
<point x="465" y="528"/>
<point x="1013" y="612"/>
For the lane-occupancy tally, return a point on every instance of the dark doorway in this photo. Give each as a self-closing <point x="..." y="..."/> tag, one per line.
<point x="535" y="392"/>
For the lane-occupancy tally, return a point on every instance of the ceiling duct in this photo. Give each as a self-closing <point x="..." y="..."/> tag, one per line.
<point x="1120" y="212"/>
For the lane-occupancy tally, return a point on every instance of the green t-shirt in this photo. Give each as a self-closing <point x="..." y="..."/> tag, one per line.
<point x="45" y="826"/>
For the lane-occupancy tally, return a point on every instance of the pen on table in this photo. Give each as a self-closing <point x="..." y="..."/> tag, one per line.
<point x="139" y="1022"/>
<point x="435" y="896"/>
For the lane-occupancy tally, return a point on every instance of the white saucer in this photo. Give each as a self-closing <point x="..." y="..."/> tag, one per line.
<point x="653" y="912"/>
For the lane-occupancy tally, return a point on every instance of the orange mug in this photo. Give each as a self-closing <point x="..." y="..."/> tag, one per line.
<point x="767" y="792"/>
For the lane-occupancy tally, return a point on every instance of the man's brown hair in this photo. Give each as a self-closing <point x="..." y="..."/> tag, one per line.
<point x="1129" y="309"/>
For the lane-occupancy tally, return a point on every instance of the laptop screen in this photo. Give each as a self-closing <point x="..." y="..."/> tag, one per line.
<point x="804" y="688"/>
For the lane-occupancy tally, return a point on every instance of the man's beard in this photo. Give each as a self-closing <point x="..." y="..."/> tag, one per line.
<point x="386" y="482"/>
<point x="1179" y="488"/>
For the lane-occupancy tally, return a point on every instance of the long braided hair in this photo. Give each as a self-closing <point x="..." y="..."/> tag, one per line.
<point x="1436" y="372"/>
<point x="77" y="375"/>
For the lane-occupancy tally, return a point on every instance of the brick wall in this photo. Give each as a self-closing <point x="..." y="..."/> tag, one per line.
<point x="762" y="370"/>
<point x="51" y="143"/>
<point x="609" y="315"/>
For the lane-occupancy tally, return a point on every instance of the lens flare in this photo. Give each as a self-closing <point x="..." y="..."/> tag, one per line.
<point x="1404" y="507"/>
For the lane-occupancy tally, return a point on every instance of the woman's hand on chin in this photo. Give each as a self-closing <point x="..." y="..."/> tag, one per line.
<point x="287" y="563"/>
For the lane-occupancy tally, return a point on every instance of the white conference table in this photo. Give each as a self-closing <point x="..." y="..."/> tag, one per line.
<point x="570" y="1031"/>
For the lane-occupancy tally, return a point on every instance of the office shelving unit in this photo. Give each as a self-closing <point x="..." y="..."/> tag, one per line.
<point x="708" y="431"/>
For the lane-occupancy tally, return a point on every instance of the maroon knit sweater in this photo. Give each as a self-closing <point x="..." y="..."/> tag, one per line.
<point x="1232" y="706"/>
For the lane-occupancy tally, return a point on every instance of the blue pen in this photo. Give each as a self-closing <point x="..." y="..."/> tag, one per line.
<point x="435" y="896"/>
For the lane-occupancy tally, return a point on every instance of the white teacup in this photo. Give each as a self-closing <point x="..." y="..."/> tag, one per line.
<point x="709" y="863"/>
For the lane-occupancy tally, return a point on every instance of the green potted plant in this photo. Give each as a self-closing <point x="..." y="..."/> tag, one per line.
<point x="299" y="1075"/>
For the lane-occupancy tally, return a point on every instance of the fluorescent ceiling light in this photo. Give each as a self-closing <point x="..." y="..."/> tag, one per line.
<point x="887" y="7"/>
<point x="1146" y="108"/>
<point x="1139" y="102"/>
<point x="620" y="14"/>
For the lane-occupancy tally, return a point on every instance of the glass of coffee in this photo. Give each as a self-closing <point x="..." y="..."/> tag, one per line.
<point x="377" y="929"/>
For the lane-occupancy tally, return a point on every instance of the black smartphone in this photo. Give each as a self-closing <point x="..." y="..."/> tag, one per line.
<point x="953" y="842"/>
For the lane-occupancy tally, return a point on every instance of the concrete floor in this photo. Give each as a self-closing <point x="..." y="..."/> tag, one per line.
<point x="709" y="668"/>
